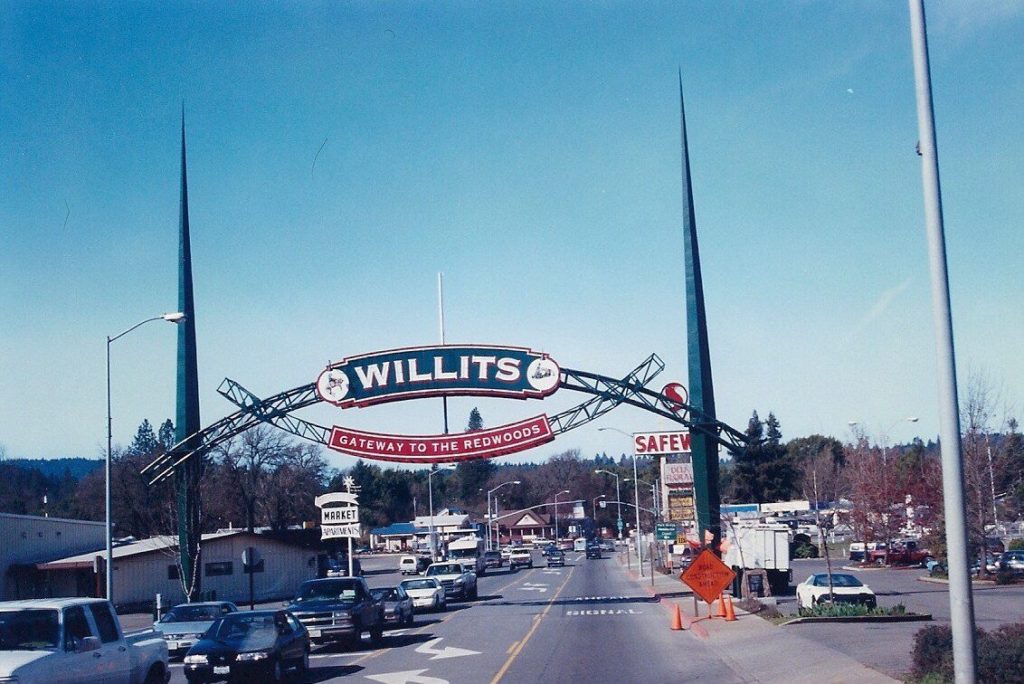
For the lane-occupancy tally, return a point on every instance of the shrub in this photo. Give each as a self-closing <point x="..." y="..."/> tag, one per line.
<point x="1000" y="655"/>
<point x="1016" y="545"/>
<point x="933" y="653"/>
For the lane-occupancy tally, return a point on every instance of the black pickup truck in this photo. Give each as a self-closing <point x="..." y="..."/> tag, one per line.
<point x="338" y="609"/>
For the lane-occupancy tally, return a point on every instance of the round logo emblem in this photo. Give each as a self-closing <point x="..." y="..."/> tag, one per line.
<point x="542" y="374"/>
<point x="674" y="396"/>
<point x="332" y="385"/>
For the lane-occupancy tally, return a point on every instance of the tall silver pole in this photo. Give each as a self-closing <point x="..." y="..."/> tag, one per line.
<point x="961" y="602"/>
<point x="489" y="521"/>
<point x="636" y="502"/>
<point x="430" y="494"/>
<point x="440" y="322"/>
<point x="106" y="490"/>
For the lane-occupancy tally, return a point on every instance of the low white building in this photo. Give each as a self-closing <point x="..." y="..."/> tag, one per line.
<point x="145" y="568"/>
<point x="26" y="540"/>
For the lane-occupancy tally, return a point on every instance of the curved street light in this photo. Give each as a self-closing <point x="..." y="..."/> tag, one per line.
<point x="618" y="498"/>
<point x="564" y="491"/>
<point x="636" y="499"/>
<point x="490" y="518"/>
<point x="593" y="506"/>
<point x="172" y="317"/>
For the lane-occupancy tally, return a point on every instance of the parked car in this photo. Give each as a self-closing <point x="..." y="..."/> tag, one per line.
<point x="608" y="545"/>
<point x="75" y="641"/>
<point x="556" y="558"/>
<point x="520" y="557"/>
<point x="183" y="625"/>
<point x="413" y="565"/>
<point x="338" y="609"/>
<point x="845" y="589"/>
<point x="426" y="593"/>
<point x="493" y="559"/>
<point x="397" y="604"/>
<point x="338" y="567"/>
<point x="249" y="646"/>
<point x="905" y="552"/>
<point x="458" y="582"/>
<point x="1012" y="561"/>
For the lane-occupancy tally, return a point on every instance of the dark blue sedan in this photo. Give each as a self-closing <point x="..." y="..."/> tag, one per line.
<point x="249" y="646"/>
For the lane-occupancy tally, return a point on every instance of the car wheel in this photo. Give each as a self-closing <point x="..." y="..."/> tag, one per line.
<point x="408" y="619"/>
<point x="377" y="635"/>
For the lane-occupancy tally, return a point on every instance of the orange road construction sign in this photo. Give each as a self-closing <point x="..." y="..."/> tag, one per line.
<point x="708" y="576"/>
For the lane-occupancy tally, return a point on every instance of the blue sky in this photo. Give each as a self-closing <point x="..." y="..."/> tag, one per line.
<point x="340" y="155"/>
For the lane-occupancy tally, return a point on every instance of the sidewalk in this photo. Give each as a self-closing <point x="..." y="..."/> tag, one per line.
<point x="756" y="649"/>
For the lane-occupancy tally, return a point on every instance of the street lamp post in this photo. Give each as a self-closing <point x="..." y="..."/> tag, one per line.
<point x="490" y="518"/>
<point x="654" y="494"/>
<point x="173" y="317"/>
<point x="636" y="500"/>
<point x="618" y="498"/>
<point x="430" y="495"/>
<point x="564" y="491"/>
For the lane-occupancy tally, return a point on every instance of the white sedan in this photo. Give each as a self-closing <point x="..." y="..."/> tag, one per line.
<point x="845" y="589"/>
<point x="425" y="592"/>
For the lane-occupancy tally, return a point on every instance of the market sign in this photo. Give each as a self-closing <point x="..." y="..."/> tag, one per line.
<point x="677" y="474"/>
<point x="444" y="370"/>
<point x="465" y="446"/>
<point x="708" y="576"/>
<point x="339" y="515"/>
<point x="660" y="443"/>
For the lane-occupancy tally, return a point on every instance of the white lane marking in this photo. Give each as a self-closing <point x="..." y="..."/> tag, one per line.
<point x="406" y="677"/>
<point x="530" y="586"/>
<point x="603" y="611"/>
<point x="446" y="652"/>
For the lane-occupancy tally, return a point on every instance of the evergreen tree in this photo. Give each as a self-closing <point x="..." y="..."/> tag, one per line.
<point x="473" y="476"/>
<point x="145" y="443"/>
<point x="476" y="422"/>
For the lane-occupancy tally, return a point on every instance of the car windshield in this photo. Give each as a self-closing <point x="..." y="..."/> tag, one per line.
<point x="449" y="569"/>
<point x="193" y="614"/>
<point x="420" y="584"/>
<point x="333" y="590"/>
<point x="243" y="626"/>
<point x="386" y="594"/>
<point x="22" y="630"/>
<point x="837" y="581"/>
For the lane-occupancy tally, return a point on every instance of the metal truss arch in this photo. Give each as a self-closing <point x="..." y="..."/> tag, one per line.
<point x="606" y="394"/>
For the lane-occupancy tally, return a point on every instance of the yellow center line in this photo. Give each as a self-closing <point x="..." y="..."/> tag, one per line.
<point x="518" y="647"/>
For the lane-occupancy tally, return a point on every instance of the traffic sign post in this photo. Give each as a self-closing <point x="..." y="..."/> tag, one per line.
<point x="708" y="576"/>
<point x="666" y="531"/>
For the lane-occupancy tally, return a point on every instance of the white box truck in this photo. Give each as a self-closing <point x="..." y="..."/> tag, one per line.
<point x="759" y="546"/>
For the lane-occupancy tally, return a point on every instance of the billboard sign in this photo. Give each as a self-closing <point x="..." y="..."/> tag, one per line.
<point x="441" y="370"/>
<point x="677" y="473"/>
<point x="506" y="439"/>
<point x="660" y="443"/>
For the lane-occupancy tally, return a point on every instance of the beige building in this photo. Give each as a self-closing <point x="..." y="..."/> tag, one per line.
<point x="145" y="568"/>
<point x="26" y="540"/>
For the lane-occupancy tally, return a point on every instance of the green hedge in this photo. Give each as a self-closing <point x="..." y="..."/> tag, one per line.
<point x="1000" y="655"/>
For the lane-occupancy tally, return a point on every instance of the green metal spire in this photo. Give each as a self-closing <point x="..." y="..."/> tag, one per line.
<point x="702" y="394"/>
<point x="187" y="414"/>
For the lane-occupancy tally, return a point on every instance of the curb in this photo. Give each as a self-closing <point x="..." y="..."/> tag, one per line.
<point x="912" y="617"/>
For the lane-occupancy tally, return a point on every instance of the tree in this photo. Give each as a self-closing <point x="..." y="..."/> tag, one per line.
<point x="763" y="471"/>
<point x="472" y="476"/>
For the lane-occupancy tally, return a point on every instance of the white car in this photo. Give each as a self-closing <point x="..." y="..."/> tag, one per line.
<point x="845" y="589"/>
<point x="520" y="557"/>
<point x="425" y="592"/>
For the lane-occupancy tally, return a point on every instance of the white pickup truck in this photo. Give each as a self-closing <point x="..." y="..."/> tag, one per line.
<point x="75" y="640"/>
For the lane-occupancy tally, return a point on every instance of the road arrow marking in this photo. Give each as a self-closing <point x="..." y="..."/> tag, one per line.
<point x="530" y="586"/>
<point x="446" y="652"/>
<point x="407" y="677"/>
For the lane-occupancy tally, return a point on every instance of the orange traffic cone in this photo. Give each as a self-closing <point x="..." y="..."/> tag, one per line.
<point x="730" y="612"/>
<point x="721" y="606"/>
<point x="677" y="619"/>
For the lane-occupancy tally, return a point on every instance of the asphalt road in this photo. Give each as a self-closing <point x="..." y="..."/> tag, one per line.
<point x="584" y="622"/>
<point x="887" y="647"/>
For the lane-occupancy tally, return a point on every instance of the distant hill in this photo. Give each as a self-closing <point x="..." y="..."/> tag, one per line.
<point x="55" y="467"/>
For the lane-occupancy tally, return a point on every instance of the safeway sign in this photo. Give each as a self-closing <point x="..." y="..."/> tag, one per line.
<point x="659" y="443"/>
